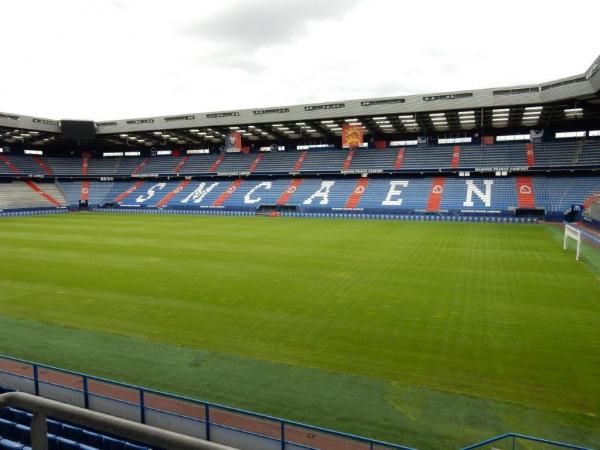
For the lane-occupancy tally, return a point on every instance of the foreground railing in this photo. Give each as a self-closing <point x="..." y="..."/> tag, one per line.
<point x="196" y="419"/>
<point x="515" y="441"/>
<point x="208" y="421"/>
<point x="41" y="408"/>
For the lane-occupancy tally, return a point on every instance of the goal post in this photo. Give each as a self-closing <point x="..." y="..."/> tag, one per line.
<point x="573" y="233"/>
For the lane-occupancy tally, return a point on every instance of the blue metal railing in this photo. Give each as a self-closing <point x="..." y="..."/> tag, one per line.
<point x="515" y="437"/>
<point x="206" y="423"/>
<point x="207" y="407"/>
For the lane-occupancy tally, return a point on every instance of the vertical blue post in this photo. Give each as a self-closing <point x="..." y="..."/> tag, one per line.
<point x="86" y="397"/>
<point x="207" y="421"/>
<point x="142" y="407"/>
<point x="513" y="444"/>
<point x="282" y="435"/>
<point x="36" y="380"/>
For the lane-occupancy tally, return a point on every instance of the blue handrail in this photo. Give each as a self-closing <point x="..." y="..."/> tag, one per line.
<point x="526" y="438"/>
<point x="208" y="405"/>
<point x="87" y="394"/>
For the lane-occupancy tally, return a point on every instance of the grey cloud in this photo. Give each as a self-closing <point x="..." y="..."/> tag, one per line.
<point x="372" y="90"/>
<point x="230" y="61"/>
<point x="449" y="67"/>
<point x="262" y="23"/>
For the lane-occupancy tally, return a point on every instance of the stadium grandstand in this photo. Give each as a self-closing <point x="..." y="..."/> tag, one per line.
<point x="522" y="155"/>
<point x="523" y="151"/>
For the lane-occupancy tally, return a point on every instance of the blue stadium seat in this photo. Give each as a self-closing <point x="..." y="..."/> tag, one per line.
<point x="14" y="428"/>
<point x="8" y="430"/>
<point x="11" y="445"/>
<point x="92" y="438"/>
<point x="113" y="444"/>
<point x="492" y="194"/>
<point x="560" y="153"/>
<point x="409" y="195"/>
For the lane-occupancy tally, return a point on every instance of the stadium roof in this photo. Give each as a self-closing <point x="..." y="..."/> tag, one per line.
<point x="555" y="103"/>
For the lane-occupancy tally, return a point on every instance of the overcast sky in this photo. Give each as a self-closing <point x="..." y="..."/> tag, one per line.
<point x="113" y="59"/>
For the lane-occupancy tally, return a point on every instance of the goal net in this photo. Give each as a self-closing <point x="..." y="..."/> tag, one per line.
<point x="573" y="233"/>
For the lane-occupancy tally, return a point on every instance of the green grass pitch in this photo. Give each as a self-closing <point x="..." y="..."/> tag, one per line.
<point x="433" y="335"/>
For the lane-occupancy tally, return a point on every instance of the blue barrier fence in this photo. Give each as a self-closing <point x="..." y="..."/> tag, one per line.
<point x="515" y="441"/>
<point x="306" y="215"/>
<point x="325" y="215"/>
<point x="32" y="212"/>
<point x="210" y="421"/>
